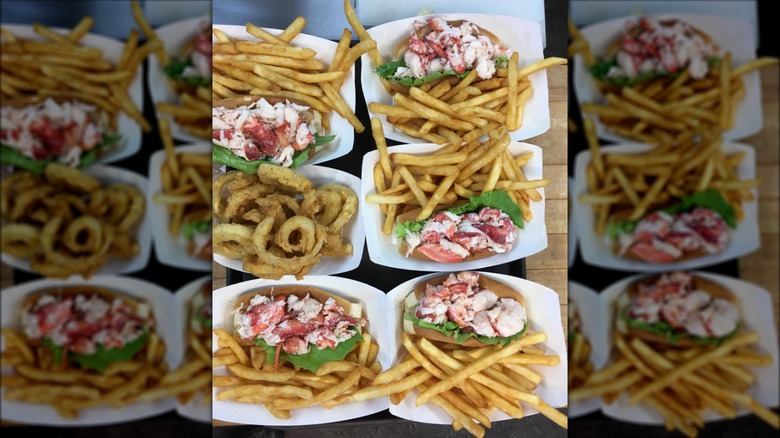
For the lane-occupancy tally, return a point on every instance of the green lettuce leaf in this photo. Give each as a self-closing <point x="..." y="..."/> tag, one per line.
<point x="451" y="329"/>
<point x="175" y="69"/>
<point x="202" y="320"/>
<point x="315" y="357"/>
<point x="13" y="157"/>
<point x="103" y="357"/>
<point x="601" y="69"/>
<point x="224" y="156"/>
<point x="495" y="199"/>
<point x="614" y="229"/>
<point x="387" y="71"/>
<point x="189" y="229"/>
<point x="665" y="330"/>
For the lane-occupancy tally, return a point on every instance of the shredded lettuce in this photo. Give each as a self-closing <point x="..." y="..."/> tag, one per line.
<point x="496" y="199"/>
<point x="600" y="71"/>
<point x="103" y="357"/>
<point x="316" y="356"/>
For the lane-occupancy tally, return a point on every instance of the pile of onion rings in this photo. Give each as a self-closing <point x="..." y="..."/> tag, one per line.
<point x="66" y="223"/>
<point x="277" y="222"/>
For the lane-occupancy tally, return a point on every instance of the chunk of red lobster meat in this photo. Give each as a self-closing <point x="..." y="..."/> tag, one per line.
<point x="293" y="327"/>
<point x="264" y="137"/>
<point x="437" y="253"/>
<point x="649" y="253"/>
<point x="295" y="345"/>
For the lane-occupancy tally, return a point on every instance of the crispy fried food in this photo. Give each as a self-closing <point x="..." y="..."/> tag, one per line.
<point x="278" y="223"/>
<point x="68" y="224"/>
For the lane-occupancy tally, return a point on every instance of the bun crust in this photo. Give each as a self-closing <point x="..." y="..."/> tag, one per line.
<point x="713" y="289"/>
<point x="300" y="291"/>
<point x="500" y="289"/>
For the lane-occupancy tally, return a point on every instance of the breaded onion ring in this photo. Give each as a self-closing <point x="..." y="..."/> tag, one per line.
<point x="293" y="265"/>
<point x="72" y="178"/>
<point x="323" y="206"/>
<point x="20" y="240"/>
<point x="83" y="235"/>
<point x="349" y="203"/>
<point x="284" y="179"/>
<point x="232" y="240"/>
<point x="296" y="235"/>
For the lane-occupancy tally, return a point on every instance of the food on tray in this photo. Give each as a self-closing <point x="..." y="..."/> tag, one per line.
<point x="188" y="73"/>
<point x="652" y="47"/>
<point x="451" y="81"/>
<point x="66" y="222"/>
<point x="467" y="309"/>
<point x="293" y="347"/>
<point x="81" y="347"/>
<point x="664" y="81"/>
<point x="580" y="365"/>
<point x="276" y="69"/>
<point x="697" y="226"/>
<point x="282" y="133"/>
<point x="57" y="66"/>
<point x="681" y="349"/>
<point x="411" y="187"/>
<point x="468" y="350"/>
<point x="47" y="131"/>
<point x="484" y="226"/>
<point x="278" y="222"/>
<point x="186" y="195"/>
<point x="666" y="205"/>
<point x="437" y="48"/>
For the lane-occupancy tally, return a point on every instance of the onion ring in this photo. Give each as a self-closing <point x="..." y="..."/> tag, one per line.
<point x="284" y="179"/>
<point x="136" y="209"/>
<point x="27" y="201"/>
<point x="14" y="184"/>
<point x="334" y="246"/>
<point x="258" y="269"/>
<point x="84" y="265"/>
<point x="323" y="206"/>
<point x="296" y="235"/>
<point x="20" y="240"/>
<point x="63" y="176"/>
<point x="232" y="240"/>
<point x="241" y="201"/>
<point x="293" y="265"/>
<point x="349" y="205"/>
<point x="83" y="235"/>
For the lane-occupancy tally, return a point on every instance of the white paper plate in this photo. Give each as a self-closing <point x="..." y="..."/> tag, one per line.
<point x="169" y="249"/>
<point x="353" y="232"/>
<point x="162" y="306"/>
<point x="544" y="313"/>
<point x="597" y="250"/>
<point x="522" y="36"/>
<point x="194" y="409"/>
<point x="587" y="302"/>
<point x="373" y="301"/>
<point x="130" y="143"/>
<point x="382" y="251"/>
<point x="344" y="132"/>
<point x="572" y="230"/>
<point x="115" y="265"/>
<point x="731" y="35"/>
<point x="175" y="35"/>
<point x="756" y="306"/>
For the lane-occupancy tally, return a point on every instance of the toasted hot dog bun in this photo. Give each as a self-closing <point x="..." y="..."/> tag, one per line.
<point x="713" y="289"/>
<point x="413" y="299"/>
<point x="403" y="247"/>
<point x="242" y="303"/>
<point x="401" y="48"/>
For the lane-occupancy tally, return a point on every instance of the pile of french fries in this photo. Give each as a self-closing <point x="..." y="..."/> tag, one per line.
<point x="197" y="362"/>
<point x="274" y="68"/>
<point x="193" y="112"/>
<point x="451" y="174"/>
<point x="37" y="379"/>
<point x="253" y="380"/>
<point x="580" y="365"/>
<point x="643" y="182"/>
<point x="468" y="383"/>
<point x="682" y="384"/>
<point x="185" y="183"/>
<point x="670" y="111"/>
<point x="58" y="66"/>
